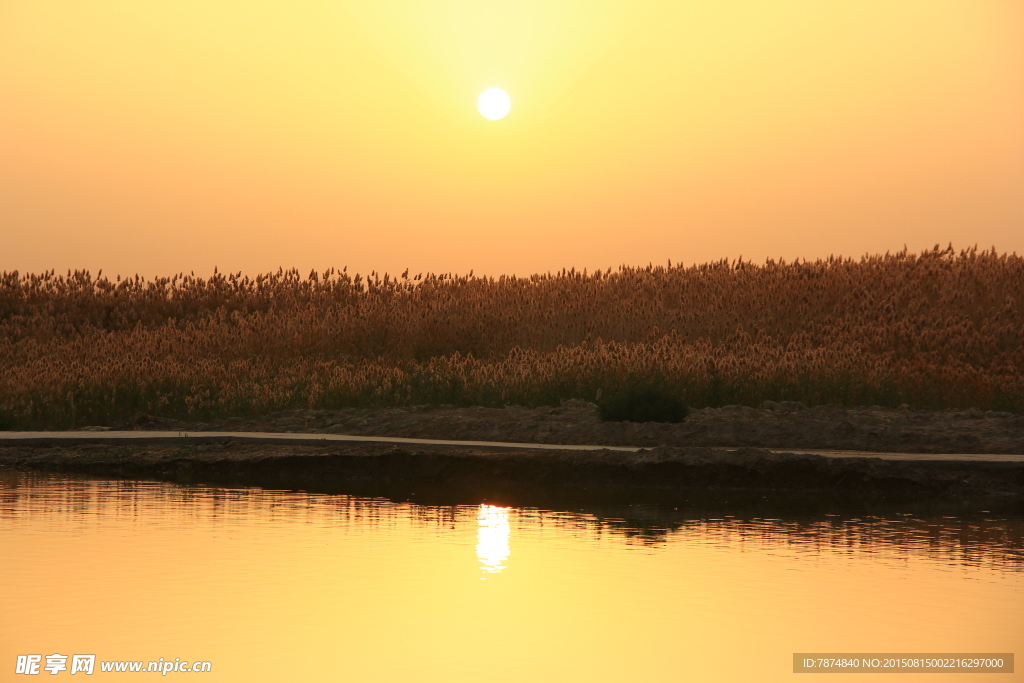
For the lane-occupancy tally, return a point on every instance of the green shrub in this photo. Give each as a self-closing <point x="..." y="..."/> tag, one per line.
<point x="642" y="402"/>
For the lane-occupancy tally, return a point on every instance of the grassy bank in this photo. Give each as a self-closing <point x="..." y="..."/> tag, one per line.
<point x="935" y="330"/>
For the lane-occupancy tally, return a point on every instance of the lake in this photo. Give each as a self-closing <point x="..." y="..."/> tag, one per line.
<point x="293" y="586"/>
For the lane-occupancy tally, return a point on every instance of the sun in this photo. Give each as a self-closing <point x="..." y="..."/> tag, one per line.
<point x="494" y="103"/>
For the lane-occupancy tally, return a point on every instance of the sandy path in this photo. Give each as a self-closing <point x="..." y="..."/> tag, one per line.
<point x="73" y="438"/>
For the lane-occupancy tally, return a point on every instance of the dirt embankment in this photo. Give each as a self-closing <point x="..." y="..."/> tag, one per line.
<point x="685" y="460"/>
<point x="773" y="425"/>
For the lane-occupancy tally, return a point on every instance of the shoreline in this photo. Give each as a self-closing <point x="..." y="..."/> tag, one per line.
<point x="546" y="477"/>
<point x="193" y="438"/>
<point x="779" y="426"/>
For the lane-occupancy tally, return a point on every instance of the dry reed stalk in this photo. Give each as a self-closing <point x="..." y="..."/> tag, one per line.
<point x="939" y="329"/>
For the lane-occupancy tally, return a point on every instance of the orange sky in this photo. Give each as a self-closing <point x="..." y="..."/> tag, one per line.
<point x="158" y="136"/>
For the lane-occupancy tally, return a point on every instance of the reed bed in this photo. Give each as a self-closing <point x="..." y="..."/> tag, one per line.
<point x="940" y="329"/>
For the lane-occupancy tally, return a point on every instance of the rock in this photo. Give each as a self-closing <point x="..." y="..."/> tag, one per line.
<point x="289" y="422"/>
<point x="576" y="403"/>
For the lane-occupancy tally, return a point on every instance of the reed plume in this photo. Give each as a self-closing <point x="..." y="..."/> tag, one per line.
<point x="940" y="329"/>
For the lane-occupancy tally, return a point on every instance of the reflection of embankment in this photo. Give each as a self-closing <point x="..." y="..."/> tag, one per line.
<point x="552" y="478"/>
<point x="975" y="539"/>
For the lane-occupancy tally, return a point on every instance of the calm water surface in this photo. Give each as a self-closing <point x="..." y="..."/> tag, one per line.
<point x="285" y="586"/>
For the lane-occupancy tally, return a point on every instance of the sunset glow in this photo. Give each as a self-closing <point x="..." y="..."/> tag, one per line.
<point x="156" y="136"/>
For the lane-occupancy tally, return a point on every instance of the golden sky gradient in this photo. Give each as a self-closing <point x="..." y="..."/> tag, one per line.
<point x="158" y="136"/>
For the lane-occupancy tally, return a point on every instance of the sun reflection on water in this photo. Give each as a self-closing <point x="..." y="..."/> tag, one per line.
<point x="492" y="538"/>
